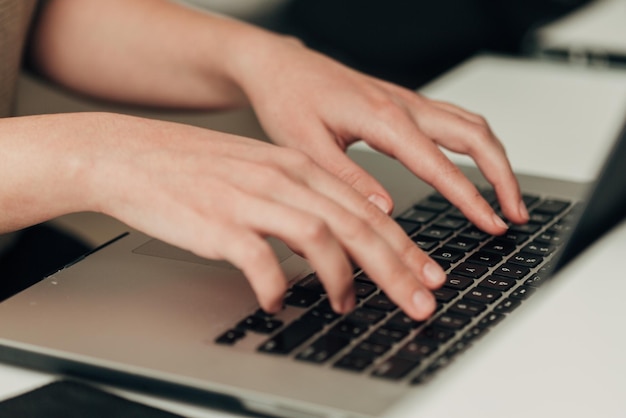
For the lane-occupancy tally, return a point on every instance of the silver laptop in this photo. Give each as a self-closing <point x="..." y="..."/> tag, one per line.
<point x="139" y="313"/>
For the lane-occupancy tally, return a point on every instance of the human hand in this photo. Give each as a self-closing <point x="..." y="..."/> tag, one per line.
<point x="309" y="102"/>
<point x="219" y="196"/>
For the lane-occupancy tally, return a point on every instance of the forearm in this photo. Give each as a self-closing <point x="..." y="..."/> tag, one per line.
<point x="41" y="168"/>
<point x="148" y="52"/>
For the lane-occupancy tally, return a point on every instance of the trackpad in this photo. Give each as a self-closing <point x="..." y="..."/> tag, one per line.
<point x="156" y="248"/>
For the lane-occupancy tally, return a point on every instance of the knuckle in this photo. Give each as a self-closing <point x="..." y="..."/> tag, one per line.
<point x="316" y="231"/>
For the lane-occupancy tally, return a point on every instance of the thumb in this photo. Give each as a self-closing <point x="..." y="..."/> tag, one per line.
<point x="339" y="164"/>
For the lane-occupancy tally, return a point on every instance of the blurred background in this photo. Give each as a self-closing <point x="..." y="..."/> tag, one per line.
<point x="409" y="42"/>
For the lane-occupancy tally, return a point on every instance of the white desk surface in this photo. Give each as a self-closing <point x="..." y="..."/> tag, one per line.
<point x="549" y="393"/>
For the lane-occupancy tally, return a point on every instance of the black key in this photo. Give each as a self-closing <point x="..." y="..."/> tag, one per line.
<point x="550" y="238"/>
<point x="292" y="336"/>
<point x="445" y="265"/>
<point x="458" y="282"/>
<point x="498" y="246"/>
<point x="354" y="362"/>
<point x="515" y="237"/>
<point x="444" y="294"/>
<point x="540" y="218"/>
<point x="440" y="335"/>
<point x="527" y="228"/>
<point x="511" y="271"/>
<point x="371" y="349"/>
<point x="366" y="316"/>
<point x="529" y="200"/>
<point x="395" y="368"/>
<point x="349" y="329"/>
<point x="451" y="321"/>
<point x="485" y="258"/>
<point x="322" y="313"/>
<point x="387" y="336"/>
<point x="522" y="292"/>
<point x="363" y="277"/>
<point x="483" y="295"/>
<point x="535" y="280"/>
<point x="323" y="348"/>
<point x="230" y="337"/>
<point x="473" y="333"/>
<point x="450" y="223"/>
<point x="438" y="197"/>
<point x="473" y="233"/>
<point x="457" y="348"/>
<point x="467" y="308"/>
<point x="497" y="283"/>
<point x="435" y="232"/>
<point x="261" y="324"/>
<point x="507" y="305"/>
<point x="417" y="349"/>
<point x="490" y="320"/>
<point x="301" y="298"/>
<point x="551" y="206"/>
<point x="363" y="290"/>
<point x="539" y="249"/>
<point x="462" y="244"/>
<point x="409" y="227"/>
<point x="381" y="302"/>
<point x="526" y="259"/>
<point x="448" y="255"/>
<point x="402" y="321"/>
<point x="312" y="284"/>
<point x="470" y="270"/>
<point x="432" y="205"/>
<point x="457" y="214"/>
<point x="417" y="216"/>
<point x="425" y="243"/>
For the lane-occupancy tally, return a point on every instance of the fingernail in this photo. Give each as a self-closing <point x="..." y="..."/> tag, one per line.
<point x="499" y="222"/>
<point x="380" y="201"/>
<point x="424" y="301"/>
<point x="434" y="274"/>
<point x="523" y="211"/>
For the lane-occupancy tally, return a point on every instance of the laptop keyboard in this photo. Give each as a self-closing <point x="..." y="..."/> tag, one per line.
<point x="487" y="277"/>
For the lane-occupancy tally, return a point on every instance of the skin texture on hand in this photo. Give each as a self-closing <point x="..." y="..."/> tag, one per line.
<point x="197" y="189"/>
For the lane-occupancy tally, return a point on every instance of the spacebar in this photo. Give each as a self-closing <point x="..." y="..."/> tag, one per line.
<point x="292" y="336"/>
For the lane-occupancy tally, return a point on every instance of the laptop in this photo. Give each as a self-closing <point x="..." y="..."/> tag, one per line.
<point x="141" y="314"/>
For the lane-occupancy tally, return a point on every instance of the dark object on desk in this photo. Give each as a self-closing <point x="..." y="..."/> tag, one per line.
<point x="68" y="399"/>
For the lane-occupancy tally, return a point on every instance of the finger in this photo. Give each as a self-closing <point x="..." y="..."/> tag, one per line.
<point x="420" y="154"/>
<point x="309" y="235"/>
<point x="478" y="141"/>
<point x="256" y="259"/>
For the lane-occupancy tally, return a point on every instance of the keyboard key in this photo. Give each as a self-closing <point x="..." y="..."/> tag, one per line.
<point x="417" y="216"/>
<point x="451" y="321"/>
<point x="550" y="238"/>
<point x="363" y="290"/>
<point x="490" y="320"/>
<point x="467" y="308"/>
<point x="395" y="368"/>
<point x="522" y="292"/>
<point x="311" y="283"/>
<point x="348" y="328"/>
<point x="417" y="349"/>
<point x="539" y="249"/>
<point x="354" y="362"/>
<point x="425" y="243"/>
<point x="435" y="232"/>
<point x="507" y="305"/>
<point x="230" y="337"/>
<point x="450" y="223"/>
<point x="551" y="206"/>
<point x="498" y="246"/>
<point x="511" y="271"/>
<point x="462" y="244"/>
<point x="527" y="228"/>
<point x="409" y="227"/>
<point x="301" y="297"/>
<point x="444" y="294"/>
<point x="501" y="284"/>
<point x="387" y="336"/>
<point x="366" y="316"/>
<point x="485" y="258"/>
<point x="259" y="324"/>
<point x="526" y="259"/>
<point x="474" y="233"/>
<point x="432" y="205"/>
<point x="516" y="238"/>
<point x="323" y="348"/>
<point x="458" y="282"/>
<point x="403" y="322"/>
<point x="540" y="218"/>
<point x="371" y="349"/>
<point x="292" y="336"/>
<point x="470" y="270"/>
<point x="381" y="302"/>
<point x="439" y="335"/>
<point x="483" y="295"/>
<point x="448" y="255"/>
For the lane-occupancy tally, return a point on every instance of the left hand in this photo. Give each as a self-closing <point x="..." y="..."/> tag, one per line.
<point x="308" y="101"/>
